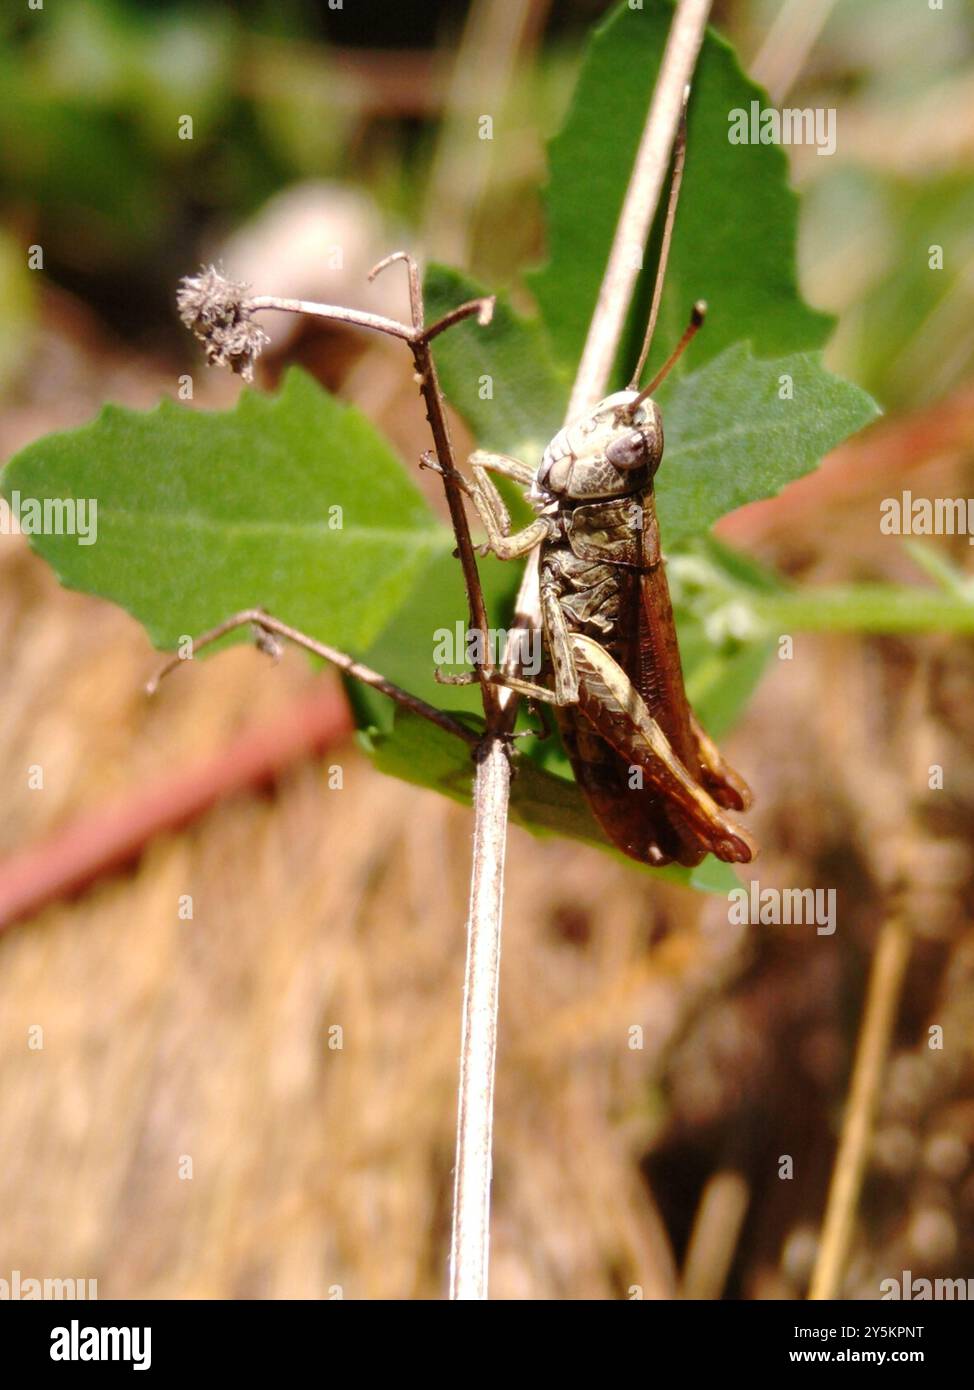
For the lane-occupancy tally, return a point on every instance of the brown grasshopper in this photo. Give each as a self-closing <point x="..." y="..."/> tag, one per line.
<point x="656" y="783"/>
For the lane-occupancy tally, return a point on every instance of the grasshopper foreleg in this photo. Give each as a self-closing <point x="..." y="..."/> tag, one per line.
<point x="503" y="464"/>
<point x="558" y="642"/>
<point x="492" y="511"/>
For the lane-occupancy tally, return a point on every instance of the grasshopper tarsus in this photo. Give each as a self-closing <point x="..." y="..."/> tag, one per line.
<point x="546" y="728"/>
<point x="454" y="678"/>
<point x="428" y="460"/>
<point x="656" y="857"/>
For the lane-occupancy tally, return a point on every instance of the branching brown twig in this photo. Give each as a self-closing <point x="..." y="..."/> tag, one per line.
<point x="265" y="623"/>
<point x="220" y="313"/>
<point x="429" y="386"/>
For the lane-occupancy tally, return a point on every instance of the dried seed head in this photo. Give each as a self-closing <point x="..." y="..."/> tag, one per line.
<point x="219" y="313"/>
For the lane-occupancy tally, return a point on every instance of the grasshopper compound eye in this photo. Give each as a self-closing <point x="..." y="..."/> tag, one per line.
<point x="630" y="450"/>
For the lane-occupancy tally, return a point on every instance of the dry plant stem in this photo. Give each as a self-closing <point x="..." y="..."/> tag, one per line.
<point x="632" y="233"/>
<point x="266" y="623"/>
<point x="491" y="783"/>
<point x="713" y="1239"/>
<point x="639" y="208"/>
<point x="429" y="387"/>
<point x="882" y="1001"/>
<point x="358" y="318"/>
<point x="788" y="43"/>
<point x="470" y="1244"/>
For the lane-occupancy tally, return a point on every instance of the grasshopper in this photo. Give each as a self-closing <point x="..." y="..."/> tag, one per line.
<point x="656" y="783"/>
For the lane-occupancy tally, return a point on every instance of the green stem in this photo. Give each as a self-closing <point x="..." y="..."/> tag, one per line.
<point x="886" y="608"/>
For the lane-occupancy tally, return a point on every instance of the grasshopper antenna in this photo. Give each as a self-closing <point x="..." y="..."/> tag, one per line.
<point x="696" y="321"/>
<point x="679" y="159"/>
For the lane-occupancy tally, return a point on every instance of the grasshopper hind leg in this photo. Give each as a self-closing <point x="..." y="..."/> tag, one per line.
<point x="636" y="819"/>
<point x="726" y="786"/>
<point x="619" y="714"/>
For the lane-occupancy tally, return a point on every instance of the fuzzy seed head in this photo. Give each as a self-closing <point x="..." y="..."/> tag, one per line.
<point x="219" y="313"/>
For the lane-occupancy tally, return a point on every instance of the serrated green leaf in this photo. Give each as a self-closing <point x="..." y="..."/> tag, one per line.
<point x="201" y="514"/>
<point x="736" y="224"/>
<point x="731" y="438"/>
<point x="405" y="650"/>
<point x="500" y="377"/>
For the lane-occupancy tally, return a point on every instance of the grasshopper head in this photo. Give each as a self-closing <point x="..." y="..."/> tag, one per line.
<point x="612" y="452"/>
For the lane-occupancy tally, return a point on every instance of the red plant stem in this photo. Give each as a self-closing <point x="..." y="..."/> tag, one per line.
<point x="107" y="839"/>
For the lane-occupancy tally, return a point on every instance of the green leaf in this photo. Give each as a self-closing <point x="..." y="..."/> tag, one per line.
<point x="723" y="647"/>
<point x="500" y="377"/>
<point x="202" y="514"/>
<point x="731" y="439"/>
<point x="419" y="752"/>
<point x="736" y="224"/>
<point x="405" y="650"/>
<point x="885" y="608"/>
<point x="726" y="604"/>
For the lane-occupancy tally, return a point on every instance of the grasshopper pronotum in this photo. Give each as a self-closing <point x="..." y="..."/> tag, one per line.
<point x="656" y="783"/>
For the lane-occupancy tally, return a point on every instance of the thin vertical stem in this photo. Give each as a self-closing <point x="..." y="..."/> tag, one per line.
<point x="471" y="1208"/>
<point x="429" y="386"/>
<point x="622" y="269"/>
<point x="475" y="1112"/>
<point x="642" y="198"/>
<point x="882" y="1002"/>
<point x="714" y="1235"/>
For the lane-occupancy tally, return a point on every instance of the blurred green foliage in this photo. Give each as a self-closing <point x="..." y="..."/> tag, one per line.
<point x="92" y="168"/>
